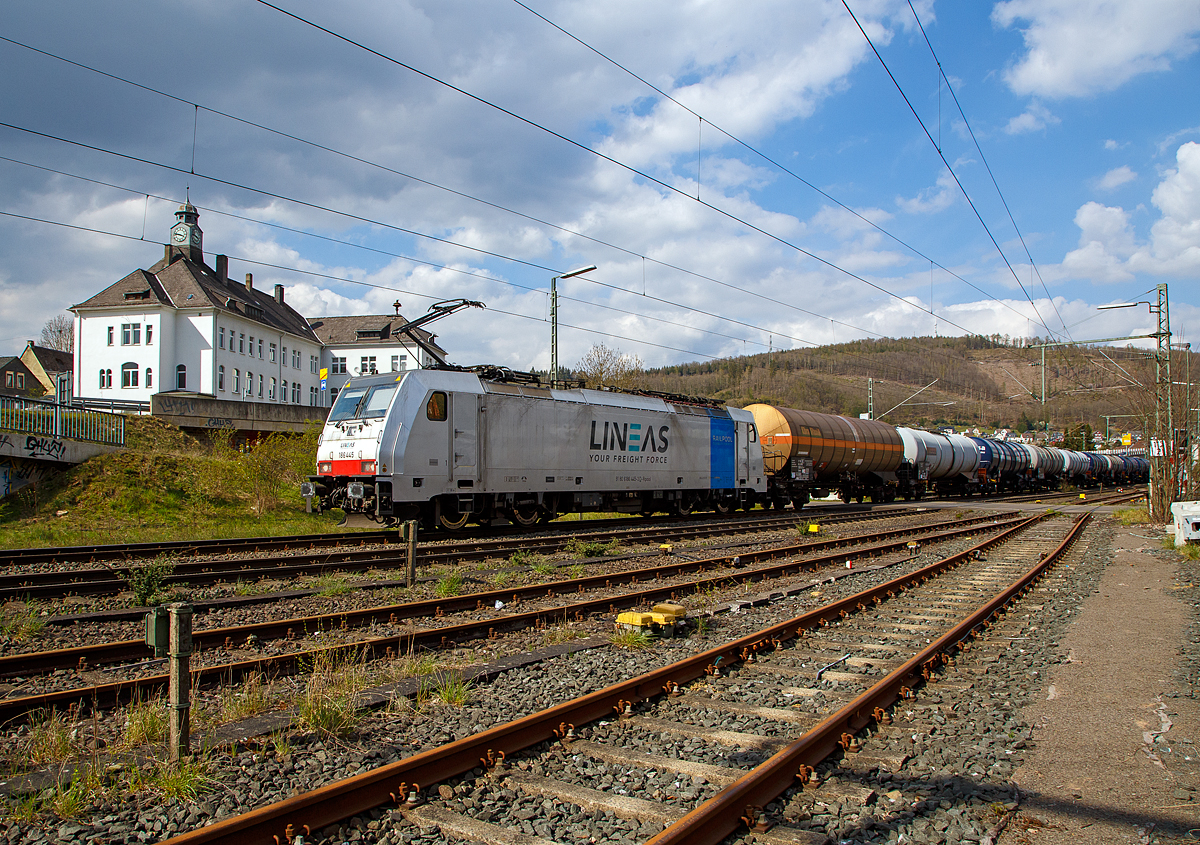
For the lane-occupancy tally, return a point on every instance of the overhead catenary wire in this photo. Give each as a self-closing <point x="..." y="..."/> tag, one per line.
<point x="505" y="209"/>
<point x="629" y="168"/>
<point x="283" y="267"/>
<point x="1004" y="201"/>
<point x="774" y="162"/>
<point x="949" y="169"/>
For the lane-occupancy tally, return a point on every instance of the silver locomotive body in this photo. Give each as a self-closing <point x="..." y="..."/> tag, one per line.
<point x="450" y="447"/>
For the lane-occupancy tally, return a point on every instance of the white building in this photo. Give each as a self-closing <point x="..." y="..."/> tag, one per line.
<point x="183" y="326"/>
<point x="360" y="345"/>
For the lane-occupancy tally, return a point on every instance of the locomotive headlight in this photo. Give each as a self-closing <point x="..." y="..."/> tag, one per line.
<point x="324" y="467"/>
<point x="368" y="468"/>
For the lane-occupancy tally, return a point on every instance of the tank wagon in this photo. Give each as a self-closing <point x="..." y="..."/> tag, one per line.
<point x="806" y="454"/>
<point x="450" y="447"/>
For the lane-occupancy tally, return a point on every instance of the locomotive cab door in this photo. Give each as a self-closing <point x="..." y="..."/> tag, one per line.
<point x="464" y="439"/>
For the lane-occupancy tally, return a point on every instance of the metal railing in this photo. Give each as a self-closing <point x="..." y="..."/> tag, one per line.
<point x="36" y="416"/>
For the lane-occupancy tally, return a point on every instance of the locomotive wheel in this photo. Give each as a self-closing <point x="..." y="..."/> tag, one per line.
<point x="526" y="516"/>
<point x="452" y="520"/>
<point x="722" y="508"/>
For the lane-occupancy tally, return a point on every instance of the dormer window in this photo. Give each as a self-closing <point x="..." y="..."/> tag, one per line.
<point x="254" y="312"/>
<point x="372" y="334"/>
<point x="137" y="294"/>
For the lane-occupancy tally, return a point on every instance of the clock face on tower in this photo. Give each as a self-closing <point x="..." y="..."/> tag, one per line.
<point x="179" y="234"/>
<point x="195" y="237"/>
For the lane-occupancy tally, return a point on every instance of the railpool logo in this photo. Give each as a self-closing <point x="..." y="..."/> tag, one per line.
<point x="628" y="442"/>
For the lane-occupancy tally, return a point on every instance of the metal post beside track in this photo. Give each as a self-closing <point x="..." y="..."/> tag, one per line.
<point x="180" y="655"/>
<point x="409" y="532"/>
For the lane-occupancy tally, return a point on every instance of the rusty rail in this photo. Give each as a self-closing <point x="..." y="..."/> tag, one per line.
<point x="107" y="694"/>
<point x="276" y="823"/>
<point x="722" y="815"/>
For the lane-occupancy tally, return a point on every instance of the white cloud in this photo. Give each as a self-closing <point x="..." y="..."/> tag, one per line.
<point x="1116" y="177"/>
<point x="1080" y="47"/>
<point x="1110" y="144"/>
<point x="1108" y="249"/>
<point x="932" y="200"/>
<point x="1033" y="119"/>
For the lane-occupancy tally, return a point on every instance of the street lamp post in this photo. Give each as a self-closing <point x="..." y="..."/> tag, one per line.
<point x="554" y="318"/>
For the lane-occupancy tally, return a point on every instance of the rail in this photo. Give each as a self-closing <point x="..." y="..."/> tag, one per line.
<point x="36" y="416"/>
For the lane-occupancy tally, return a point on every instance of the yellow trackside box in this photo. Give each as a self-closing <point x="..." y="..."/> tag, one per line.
<point x="668" y="613"/>
<point x="635" y="619"/>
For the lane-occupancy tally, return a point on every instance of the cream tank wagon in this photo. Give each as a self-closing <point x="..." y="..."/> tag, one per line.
<point x="451" y="447"/>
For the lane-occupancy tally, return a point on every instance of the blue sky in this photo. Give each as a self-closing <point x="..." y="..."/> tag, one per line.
<point x="1087" y="113"/>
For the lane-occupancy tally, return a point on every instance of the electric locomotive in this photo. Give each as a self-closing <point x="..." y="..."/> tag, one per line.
<point x="452" y="446"/>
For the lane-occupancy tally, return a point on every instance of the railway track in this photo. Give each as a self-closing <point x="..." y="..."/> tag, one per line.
<point x="253" y="545"/>
<point x="219" y="649"/>
<point x="110" y="579"/>
<point x="800" y="689"/>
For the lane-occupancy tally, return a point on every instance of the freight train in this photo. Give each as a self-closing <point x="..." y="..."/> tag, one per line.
<point x="450" y="446"/>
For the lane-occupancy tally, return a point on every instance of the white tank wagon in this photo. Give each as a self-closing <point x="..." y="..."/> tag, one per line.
<point x="946" y="462"/>
<point x="449" y="447"/>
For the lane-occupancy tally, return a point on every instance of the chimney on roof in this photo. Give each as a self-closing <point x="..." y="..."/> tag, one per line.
<point x="223" y="268"/>
<point x="279" y="294"/>
<point x="249" y="281"/>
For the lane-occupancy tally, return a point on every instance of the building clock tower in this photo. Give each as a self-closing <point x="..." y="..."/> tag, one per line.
<point x="186" y="237"/>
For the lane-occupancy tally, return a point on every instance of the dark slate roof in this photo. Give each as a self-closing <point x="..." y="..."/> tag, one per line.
<point x="53" y="360"/>
<point x="183" y="283"/>
<point x="368" y="329"/>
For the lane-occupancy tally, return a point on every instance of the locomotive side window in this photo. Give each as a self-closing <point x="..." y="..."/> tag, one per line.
<point x="751" y="433"/>
<point x="436" y="409"/>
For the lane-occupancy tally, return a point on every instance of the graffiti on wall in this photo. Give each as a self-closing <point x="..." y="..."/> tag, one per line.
<point x="45" y="447"/>
<point x="16" y="473"/>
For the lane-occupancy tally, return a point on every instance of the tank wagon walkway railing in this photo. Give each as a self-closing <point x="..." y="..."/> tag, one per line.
<point x="36" y="416"/>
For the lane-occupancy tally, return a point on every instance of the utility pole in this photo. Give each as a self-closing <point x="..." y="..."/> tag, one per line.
<point x="1162" y="477"/>
<point x="870" y="398"/>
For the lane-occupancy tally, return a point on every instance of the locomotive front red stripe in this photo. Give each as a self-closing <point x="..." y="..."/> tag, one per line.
<point x="352" y="467"/>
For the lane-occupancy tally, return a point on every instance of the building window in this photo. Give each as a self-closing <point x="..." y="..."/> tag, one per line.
<point x="149" y="377"/>
<point x="295" y="393"/>
<point x="110" y="335"/>
<point x="181" y="377"/>
<point x="312" y="363"/>
<point x="260" y="386"/>
<point x="237" y="380"/>
<point x="338" y="365"/>
<point x="295" y="358"/>
<point x="129" y="375"/>
<point x="260" y="347"/>
<point x="312" y="396"/>
<point x="105" y="378"/>
<point x="271" y="391"/>
<point x="20" y="381"/>
<point x="221" y="377"/>
<point x="283" y="355"/>
<point x="221" y="337"/>
<point x="395" y="363"/>
<point x="131" y="334"/>
<point x="283" y="391"/>
<point x="368" y="365"/>
<point x="149" y="333"/>
<point x="272" y="353"/>
<point x="251" y="346"/>
<point x="8" y="378"/>
<point x="333" y="392"/>
<point x="242" y="344"/>
<point x="249" y="383"/>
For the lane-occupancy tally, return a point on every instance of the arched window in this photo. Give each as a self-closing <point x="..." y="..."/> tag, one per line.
<point x="129" y="375"/>
<point x="221" y="377"/>
<point x="181" y="377"/>
<point x="237" y="381"/>
<point x="149" y="376"/>
<point x="105" y="379"/>
<point x="283" y="391"/>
